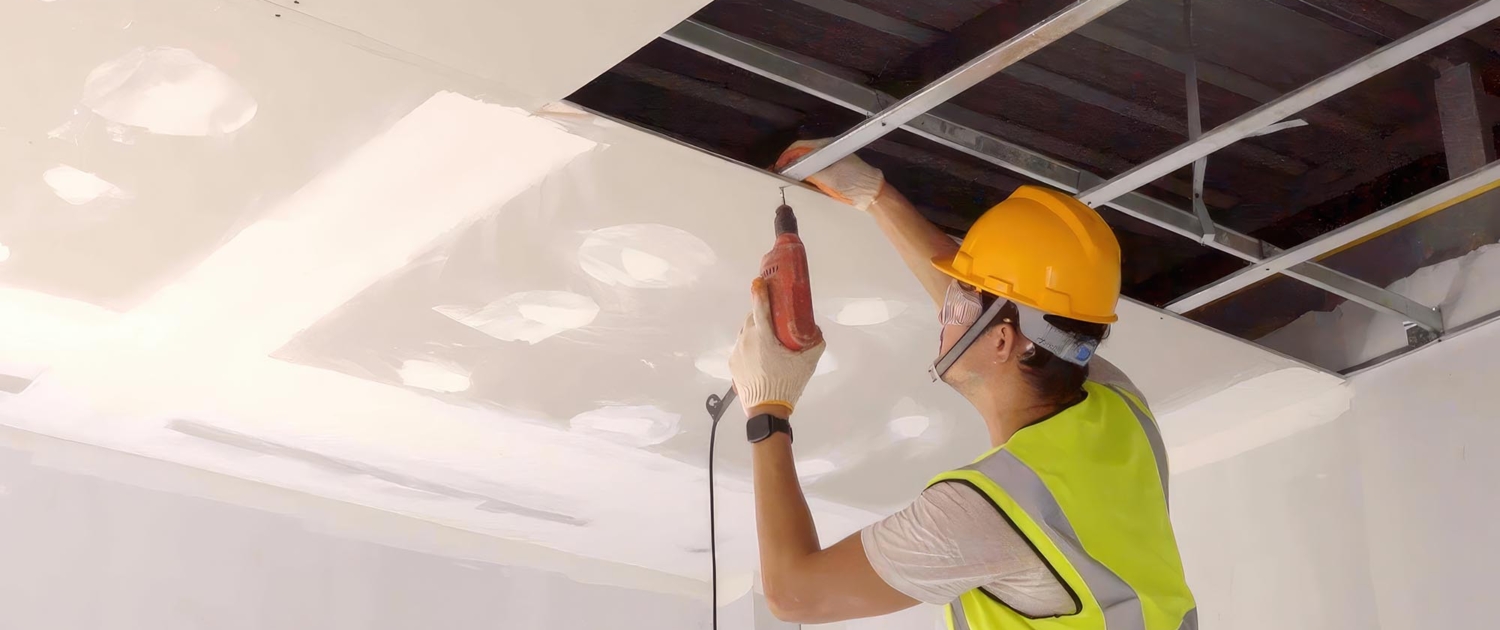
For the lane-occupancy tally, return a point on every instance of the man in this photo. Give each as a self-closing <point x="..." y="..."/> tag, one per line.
<point x="1063" y="524"/>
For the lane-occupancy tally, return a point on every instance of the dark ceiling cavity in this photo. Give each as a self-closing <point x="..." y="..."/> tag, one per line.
<point x="1109" y="96"/>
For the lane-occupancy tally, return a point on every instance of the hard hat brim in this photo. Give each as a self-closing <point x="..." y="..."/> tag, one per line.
<point x="945" y="265"/>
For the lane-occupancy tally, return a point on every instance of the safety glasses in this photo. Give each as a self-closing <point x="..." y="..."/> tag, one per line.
<point x="963" y="305"/>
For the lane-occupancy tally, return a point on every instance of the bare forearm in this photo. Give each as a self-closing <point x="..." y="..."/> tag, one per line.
<point x="804" y="582"/>
<point x="783" y="522"/>
<point x="915" y="238"/>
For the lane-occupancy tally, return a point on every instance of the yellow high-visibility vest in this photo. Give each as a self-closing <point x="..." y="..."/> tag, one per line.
<point x="1088" y="489"/>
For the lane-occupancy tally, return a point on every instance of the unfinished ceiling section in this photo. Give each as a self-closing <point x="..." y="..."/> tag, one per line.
<point x="1297" y="140"/>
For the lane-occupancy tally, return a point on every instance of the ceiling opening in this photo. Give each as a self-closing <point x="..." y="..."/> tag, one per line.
<point x="1109" y="95"/>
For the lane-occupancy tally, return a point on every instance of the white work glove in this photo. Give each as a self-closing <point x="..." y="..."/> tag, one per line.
<point x="849" y="180"/>
<point x="766" y="372"/>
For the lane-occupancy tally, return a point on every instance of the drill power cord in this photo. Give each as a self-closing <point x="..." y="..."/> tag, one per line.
<point x="713" y="548"/>
<point x="716" y="406"/>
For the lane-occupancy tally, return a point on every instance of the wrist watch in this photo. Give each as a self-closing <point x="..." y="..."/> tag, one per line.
<point x="765" y="425"/>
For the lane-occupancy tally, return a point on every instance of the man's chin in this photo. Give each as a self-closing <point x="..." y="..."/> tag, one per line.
<point x="959" y="380"/>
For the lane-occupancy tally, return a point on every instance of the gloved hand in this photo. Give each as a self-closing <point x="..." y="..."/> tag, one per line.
<point x="849" y="180"/>
<point x="766" y="372"/>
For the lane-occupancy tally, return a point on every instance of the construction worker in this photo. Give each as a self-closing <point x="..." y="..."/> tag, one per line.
<point x="1063" y="523"/>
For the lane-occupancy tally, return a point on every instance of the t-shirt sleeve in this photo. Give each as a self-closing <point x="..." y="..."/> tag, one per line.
<point x="952" y="540"/>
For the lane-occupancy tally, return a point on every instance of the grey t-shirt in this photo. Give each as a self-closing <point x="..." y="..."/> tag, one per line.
<point x="952" y="540"/>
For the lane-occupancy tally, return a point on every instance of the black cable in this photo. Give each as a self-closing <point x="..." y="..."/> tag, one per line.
<point x="713" y="548"/>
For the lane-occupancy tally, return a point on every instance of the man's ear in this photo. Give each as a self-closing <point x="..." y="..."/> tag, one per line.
<point x="1005" y="342"/>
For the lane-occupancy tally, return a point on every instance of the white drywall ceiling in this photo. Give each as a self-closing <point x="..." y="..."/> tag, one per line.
<point x="541" y="51"/>
<point x="312" y="265"/>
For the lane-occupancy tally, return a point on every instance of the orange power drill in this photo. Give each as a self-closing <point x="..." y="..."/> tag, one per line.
<point x="784" y="270"/>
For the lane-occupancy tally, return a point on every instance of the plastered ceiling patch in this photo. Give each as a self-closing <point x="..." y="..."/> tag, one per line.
<point x="4" y="252"/>
<point x="434" y="376"/>
<point x="865" y="311"/>
<point x="715" y="363"/>
<point x="909" y="426"/>
<point x="644" y="256"/>
<point x="911" y="421"/>
<point x="529" y="316"/>
<point x="644" y="267"/>
<point x="168" y="91"/>
<point x="631" y="425"/>
<point x="79" y="187"/>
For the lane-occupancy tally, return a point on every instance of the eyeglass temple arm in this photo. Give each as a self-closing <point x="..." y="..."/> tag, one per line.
<point x="946" y="361"/>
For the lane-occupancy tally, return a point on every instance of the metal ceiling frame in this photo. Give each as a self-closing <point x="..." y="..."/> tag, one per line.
<point x="968" y="75"/>
<point x="958" y="128"/>
<point x="1195" y="120"/>
<point x="1355" y="72"/>
<point x="1453" y="192"/>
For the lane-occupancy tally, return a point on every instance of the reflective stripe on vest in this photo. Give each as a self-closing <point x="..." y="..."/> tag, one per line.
<point x="957" y="621"/>
<point x="1147" y="552"/>
<point x="956" y="618"/>
<point x="1148" y="425"/>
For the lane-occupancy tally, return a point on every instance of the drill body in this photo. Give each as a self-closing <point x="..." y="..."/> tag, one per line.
<point x="784" y="270"/>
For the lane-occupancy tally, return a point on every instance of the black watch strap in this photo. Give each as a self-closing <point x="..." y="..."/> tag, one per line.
<point x="766" y="425"/>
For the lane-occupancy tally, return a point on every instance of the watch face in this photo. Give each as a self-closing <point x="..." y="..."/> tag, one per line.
<point x="763" y="426"/>
<point x="759" y="428"/>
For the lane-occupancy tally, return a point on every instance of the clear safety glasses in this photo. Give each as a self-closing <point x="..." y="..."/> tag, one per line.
<point x="963" y="305"/>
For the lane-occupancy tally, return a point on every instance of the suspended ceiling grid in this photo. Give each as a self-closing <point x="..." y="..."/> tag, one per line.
<point x="1105" y="98"/>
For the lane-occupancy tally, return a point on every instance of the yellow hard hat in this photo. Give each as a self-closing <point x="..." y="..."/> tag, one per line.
<point x="1043" y="249"/>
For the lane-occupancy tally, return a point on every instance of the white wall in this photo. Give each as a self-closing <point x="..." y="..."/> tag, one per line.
<point x="1380" y="518"/>
<point x="1429" y="454"/>
<point x="83" y="552"/>
<point x="1274" y="538"/>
